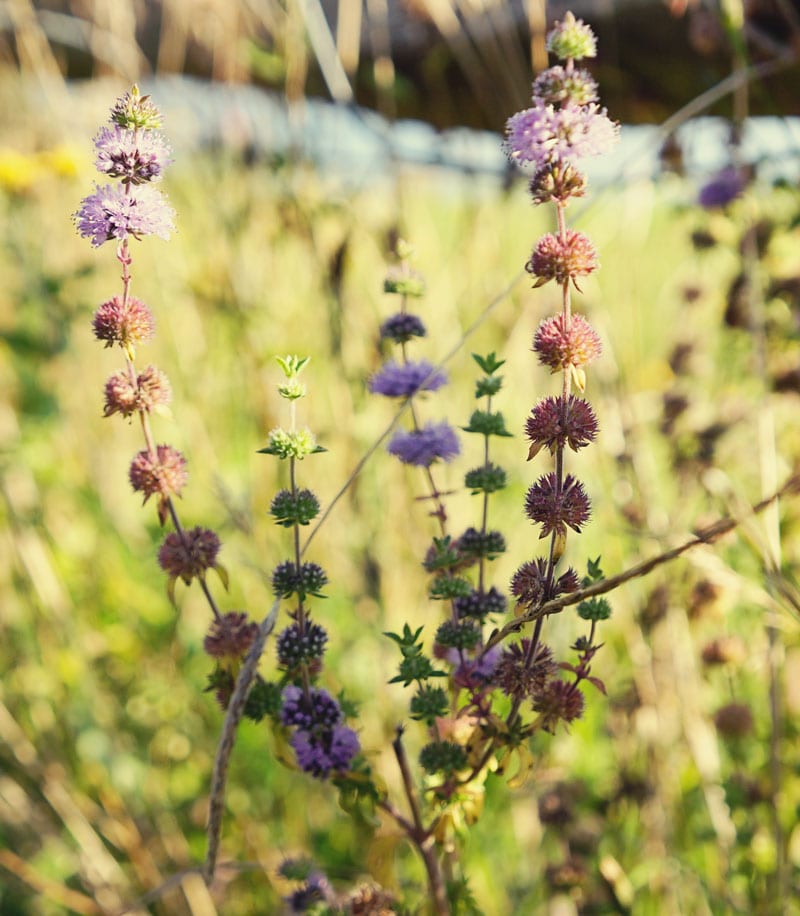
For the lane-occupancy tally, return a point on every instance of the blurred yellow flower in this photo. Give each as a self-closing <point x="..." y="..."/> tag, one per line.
<point x="19" y="172"/>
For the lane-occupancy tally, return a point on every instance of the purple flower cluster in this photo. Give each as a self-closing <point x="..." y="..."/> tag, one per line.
<point x="565" y="121"/>
<point x="135" y="156"/>
<point x="135" y="153"/>
<point x="402" y="380"/>
<point x="420" y="446"/>
<point x="321" y="743"/>
<point x="544" y="133"/>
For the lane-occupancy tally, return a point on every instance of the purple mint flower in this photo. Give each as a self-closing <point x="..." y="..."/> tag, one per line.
<point x="471" y="672"/>
<point x="117" y="212"/>
<point x="421" y="447"/>
<point x="331" y="750"/>
<point x="723" y="188"/>
<point x="401" y="381"/>
<point x="543" y="134"/>
<point x="133" y="155"/>
<point x="319" y="711"/>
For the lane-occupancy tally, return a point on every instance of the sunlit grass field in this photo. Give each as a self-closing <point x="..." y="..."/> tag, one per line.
<point x="106" y="734"/>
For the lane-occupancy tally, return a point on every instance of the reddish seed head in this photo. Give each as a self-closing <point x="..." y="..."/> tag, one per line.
<point x="529" y="582"/>
<point x="518" y="680"/>
<point x="562" y="259"/>
<point x="163" y="474"/>
<point x="554" y="423"/>
<point x="230" y="636"/>
<point x="127" y="325"/>
<point x="559" y="701"/>
<point x="189" y="554"/>
<point x="151" y="390"/>
<point x="563" y="342"/>
<point x="556" y="510"/>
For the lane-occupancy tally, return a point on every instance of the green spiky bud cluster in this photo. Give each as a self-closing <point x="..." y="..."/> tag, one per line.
<point x="447" y="588"/>
<point x="443" y="757"/>
<point x="594" y="609"/>
<point x="572" y="39"/>
<point x="488" y="479"/>
<point x="462" y="635"/>
<point x="487" y="423"/>
<point x="287" y="580"/>
<point x="289" y="509"/>
<point x="429" y="704"/>
<point x="135" y="111"/>
<point x="294" y="444"/>
<point x="264" y="699"/>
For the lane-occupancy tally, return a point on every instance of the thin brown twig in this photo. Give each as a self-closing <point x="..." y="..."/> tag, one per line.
<point x="216" y="802"/>
<point x="423" y="839"/>
<point x="704" y="536"/>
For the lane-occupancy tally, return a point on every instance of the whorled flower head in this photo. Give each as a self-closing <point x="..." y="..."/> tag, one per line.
<point x="424" y="446"/>
<point x="111" y="213"/>
<point x="135" y="156"/>
<point x="396" y="380"/>
<point x="572" y="39"/>
<point x="163" y="473"/>
<point x="529" y="584"/>
<point x="554" y="423"/>
<point x="544" y="134"/>
<point x="321" y="753"/>
<point x="230" y="636"/>
<point x="288" y="580"/>
<point x="127" y="324"/>
<point x="557" y="181"/>
<point x="557" y="509"/>
<point x="319" y="711"/>
<point x="562" y="342"/>
<point x="150" y="392"/>
<point x="402" y="327"/>
<point x="558" y="701"/>
<point x="295" y="646"/>
<point x="188" y="554"/>
<point x="519" y="680"/>
<point x="135" y="111"/>
<point x="480" y="604"/>
<point x="557" y="86"/>
<point x="298" y="443"/>
<point x="562" y="260"/>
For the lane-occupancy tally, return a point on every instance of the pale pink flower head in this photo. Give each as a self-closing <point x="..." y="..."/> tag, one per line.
<point x="118" y="212"/>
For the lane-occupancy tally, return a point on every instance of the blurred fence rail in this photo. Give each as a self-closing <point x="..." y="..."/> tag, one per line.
<point x="448" y="62"/>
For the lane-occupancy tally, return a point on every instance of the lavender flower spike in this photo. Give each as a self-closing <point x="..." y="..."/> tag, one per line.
<point x="401" y="381"/>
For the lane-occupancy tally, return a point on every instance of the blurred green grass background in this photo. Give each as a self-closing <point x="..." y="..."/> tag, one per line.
<point x="106" y="736"/>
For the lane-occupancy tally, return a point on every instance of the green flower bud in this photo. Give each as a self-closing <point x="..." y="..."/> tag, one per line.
<point x="572" y="39"/>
